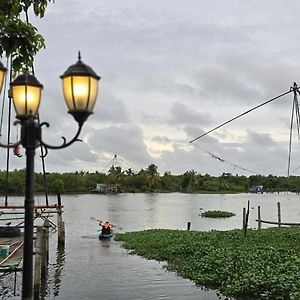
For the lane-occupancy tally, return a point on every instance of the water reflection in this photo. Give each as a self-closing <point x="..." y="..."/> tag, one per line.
<point x="52" y="283"/>
<point x="91" y="269"/>
<point x="60" y="261"/>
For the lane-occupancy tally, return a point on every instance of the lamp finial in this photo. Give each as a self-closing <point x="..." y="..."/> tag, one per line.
<point x="79" y="55"/>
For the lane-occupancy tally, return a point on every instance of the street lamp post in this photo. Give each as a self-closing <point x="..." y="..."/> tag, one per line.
<point x="80" y="88"/>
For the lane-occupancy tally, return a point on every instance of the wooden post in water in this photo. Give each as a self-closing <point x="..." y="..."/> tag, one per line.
<point x="279" y="214"/>
<point x="60" y="223"/>
<point x="259" y="218"/>
<point x="37" y="262"/>
<point x="244" y="218"/>
<point x="188" y="226"/>
<point x="45" y="249"/>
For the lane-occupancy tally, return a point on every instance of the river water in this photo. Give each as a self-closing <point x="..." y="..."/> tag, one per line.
<point x="91" y="269"/>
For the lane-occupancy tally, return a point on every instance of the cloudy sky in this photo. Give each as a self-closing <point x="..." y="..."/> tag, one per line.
<point x="170" y="71"/>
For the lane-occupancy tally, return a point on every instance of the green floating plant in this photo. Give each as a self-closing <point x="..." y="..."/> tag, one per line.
<point x="265" y="264"/>
<point x="217" y="214"/>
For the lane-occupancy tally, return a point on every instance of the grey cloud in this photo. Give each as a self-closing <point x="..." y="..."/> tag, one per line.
<point x="203" y="60"/>
<point x="260" y="139"/>
<point x="182" y="115"/>
<point x="161" y="139"/>
<point x="76" y="157"/>
<point x="110" y="109"/>
<point x="126" y="141"/>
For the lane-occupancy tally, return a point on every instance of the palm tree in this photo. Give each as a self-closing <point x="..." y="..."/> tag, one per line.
<point x="115" y="175"/>
<point x="129" y="172"/>
<point x="189" y="180"/>
<point x="152" y="176"/>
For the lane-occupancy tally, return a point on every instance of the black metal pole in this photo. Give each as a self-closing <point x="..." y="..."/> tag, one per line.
<point x="44" y="171"/>
<point x="29" y="140"/>
<point x="7" y="150"/>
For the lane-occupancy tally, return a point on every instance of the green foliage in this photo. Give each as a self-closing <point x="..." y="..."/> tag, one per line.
<point x="19" y="39"/>
<point x="58" y="186"/>
<point x="266" y="263"/>
<point x="217" y="214"/>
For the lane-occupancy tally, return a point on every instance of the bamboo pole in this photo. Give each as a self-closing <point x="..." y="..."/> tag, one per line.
<point x="259" y="218"/>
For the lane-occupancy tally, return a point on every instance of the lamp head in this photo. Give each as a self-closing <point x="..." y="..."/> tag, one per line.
<point x="80" y="88"/>
<point x="26" y="93"/>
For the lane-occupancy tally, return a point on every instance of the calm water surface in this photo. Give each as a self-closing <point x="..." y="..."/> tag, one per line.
<point x="91" y="269"/>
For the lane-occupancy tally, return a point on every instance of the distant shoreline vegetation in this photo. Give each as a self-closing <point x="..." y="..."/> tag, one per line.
<point x="217" y="214"/>
<point x="146" y="180"/>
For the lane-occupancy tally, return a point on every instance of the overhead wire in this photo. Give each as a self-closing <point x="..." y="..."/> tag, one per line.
<point x="240" y="115"/>
<point x="114" y="162"/>
<point x="295" y="111"/>
<point x="126" y="163"/>
<point x="214" y="156"/>
<point x="108" y="166"/>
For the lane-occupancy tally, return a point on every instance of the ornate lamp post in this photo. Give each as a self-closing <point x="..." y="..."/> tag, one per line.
<point x="80" y="88"/>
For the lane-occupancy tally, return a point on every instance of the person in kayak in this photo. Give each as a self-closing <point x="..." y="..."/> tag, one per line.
<point x="106" y="227"/>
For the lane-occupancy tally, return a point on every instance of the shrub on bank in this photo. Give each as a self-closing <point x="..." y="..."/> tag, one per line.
<point x="266" y="263"/>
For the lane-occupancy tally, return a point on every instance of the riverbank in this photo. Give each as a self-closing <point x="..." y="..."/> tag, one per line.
<point x="266" y="263"/>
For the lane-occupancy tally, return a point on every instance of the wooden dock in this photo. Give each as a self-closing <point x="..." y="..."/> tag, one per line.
<point x="11" y="259"/>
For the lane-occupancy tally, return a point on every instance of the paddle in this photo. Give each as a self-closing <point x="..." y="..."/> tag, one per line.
<point x="111" y="225"/>
<point x="93" y="218"/>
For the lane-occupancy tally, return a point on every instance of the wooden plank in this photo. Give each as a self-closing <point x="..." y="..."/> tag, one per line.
<point x="9" y="269"/>
<point x="22" y="206"/>
<point x="22" y="213"/>
<point x="276" y="223"/>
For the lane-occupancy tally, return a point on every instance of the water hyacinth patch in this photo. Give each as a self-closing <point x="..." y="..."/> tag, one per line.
<point x="266" y="263"/>
<point x="217" y="214"/>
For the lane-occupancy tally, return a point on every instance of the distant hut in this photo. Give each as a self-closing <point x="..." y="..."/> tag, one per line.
<point x="256" y="189"/>
<point x="101" y="188"/>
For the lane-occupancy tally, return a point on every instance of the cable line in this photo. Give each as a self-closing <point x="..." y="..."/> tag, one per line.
<point x="240" y="115"/>
<point x="225" y="161"/>
<point x="295" y="111"/>
<point x="126" y="163"/>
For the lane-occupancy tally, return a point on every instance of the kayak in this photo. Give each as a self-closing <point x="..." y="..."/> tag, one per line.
<point x="105" y="236"/>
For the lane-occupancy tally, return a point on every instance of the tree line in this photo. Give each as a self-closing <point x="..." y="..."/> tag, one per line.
<point x="143" y="181"/>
